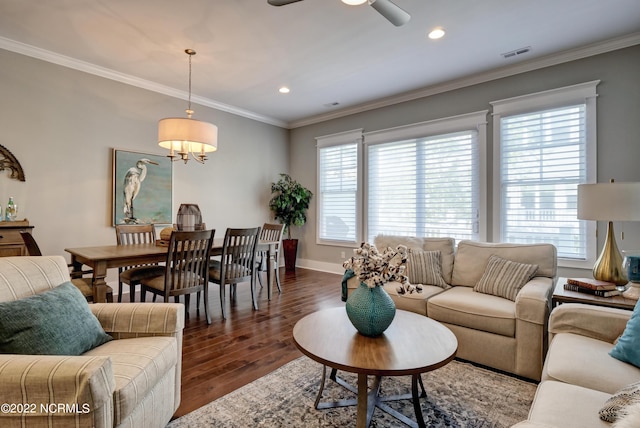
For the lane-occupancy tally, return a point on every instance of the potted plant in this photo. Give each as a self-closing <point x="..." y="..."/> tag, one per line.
<point x="289" y="204"/>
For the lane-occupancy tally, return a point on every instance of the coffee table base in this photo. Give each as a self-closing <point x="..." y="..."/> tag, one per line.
<point x="374" y="399"/>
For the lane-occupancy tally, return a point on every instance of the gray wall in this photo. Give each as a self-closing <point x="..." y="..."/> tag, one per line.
<point x="618" y="108"/>
<point x="62" y="124"/>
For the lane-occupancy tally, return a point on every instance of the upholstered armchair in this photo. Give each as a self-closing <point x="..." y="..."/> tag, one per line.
<point x="131" y="380"/>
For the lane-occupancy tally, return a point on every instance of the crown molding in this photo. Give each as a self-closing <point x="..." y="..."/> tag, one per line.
<point x="66" y="61"/>
<point x="499" y="73"/>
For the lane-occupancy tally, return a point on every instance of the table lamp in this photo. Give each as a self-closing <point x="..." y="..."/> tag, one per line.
<point x="610" y="202"/>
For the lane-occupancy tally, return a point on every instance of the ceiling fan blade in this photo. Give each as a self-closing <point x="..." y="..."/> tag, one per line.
<point x="394" y="13"/>
<point x="281" y="2"/>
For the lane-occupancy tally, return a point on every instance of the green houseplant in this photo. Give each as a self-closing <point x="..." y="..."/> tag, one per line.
<point x="289" y="203"/>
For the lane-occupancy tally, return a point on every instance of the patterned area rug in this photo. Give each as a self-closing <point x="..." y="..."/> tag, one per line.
<point x="458" y="395"/>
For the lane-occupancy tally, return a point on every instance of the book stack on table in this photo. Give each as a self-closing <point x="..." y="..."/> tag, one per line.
<point x="592" y="286"/>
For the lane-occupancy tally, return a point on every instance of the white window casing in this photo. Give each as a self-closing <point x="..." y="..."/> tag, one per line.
<point x="544" y="146"/>
<point x="339" y="189"/>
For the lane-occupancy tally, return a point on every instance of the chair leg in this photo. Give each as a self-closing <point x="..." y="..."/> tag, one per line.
<point x="260" y="278"/>
<point x="198" y="303"/>
<point x="132" y="292"/>
<point x="224" y="316"/>
<point x="277" y="271"/>
<point x="253" y="291"/>
<point x="187" y="301"/>
<point x="206" y="302"/>
<point x="119" y="291"/>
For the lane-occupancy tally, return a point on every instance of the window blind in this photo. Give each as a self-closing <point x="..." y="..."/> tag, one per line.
<point x="338" y="185"/>
<point x="424" y="187"/>
<point x="542" y="161"/>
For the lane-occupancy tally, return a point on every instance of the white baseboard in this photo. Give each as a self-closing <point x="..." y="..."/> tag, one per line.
<point x="320" y="266"/>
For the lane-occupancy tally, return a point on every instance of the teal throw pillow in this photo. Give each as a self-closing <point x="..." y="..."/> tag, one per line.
<point x="627" y="348"/>
<point x="56" y="322"/>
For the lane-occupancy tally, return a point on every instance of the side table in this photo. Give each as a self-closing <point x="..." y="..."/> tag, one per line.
<point x="560" y="295"/>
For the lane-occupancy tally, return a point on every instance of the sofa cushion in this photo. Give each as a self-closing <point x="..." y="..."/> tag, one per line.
<point x="412" y="302"/>
<point x="558" y="404"/>
<point x="627" y="348"/>
<point x="444" y="245"/>
<point x="138" y="365"/>
<point x="614" y="407"/>
<point x="472" y="258"/>
<point x="424" y="267"/>
<point x="579" y="360"/>
<point x="55" y="322"/>
<point x="464" y="307"/>
<point x="504" y="278"/>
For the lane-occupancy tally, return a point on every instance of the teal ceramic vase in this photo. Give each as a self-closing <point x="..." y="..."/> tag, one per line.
<point x="370" y="310"/>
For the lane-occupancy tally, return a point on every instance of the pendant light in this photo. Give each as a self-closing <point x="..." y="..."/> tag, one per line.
<point x="184" y="135"/>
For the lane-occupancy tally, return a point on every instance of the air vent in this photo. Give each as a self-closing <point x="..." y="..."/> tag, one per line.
<point x="516" y="52"/>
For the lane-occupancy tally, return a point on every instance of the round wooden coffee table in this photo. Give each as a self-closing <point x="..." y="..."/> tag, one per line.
<point x="413" y="344"/>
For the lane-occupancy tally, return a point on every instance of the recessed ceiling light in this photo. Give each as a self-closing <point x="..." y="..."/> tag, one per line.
<point x="436" y="33"/>
<point x="353" y="2"/>
<point x="284" y="90"/>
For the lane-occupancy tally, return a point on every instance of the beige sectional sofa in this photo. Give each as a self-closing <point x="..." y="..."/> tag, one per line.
<point x="494" y="331"/>
<point x="130" y="381"/>
<point x="579" y="375"/>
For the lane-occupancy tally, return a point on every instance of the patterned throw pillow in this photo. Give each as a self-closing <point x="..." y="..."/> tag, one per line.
<point x="56" y="322"/>
<point x="424" y="267"/>
<point x="504" y="278"/>
<point x="614" y="407"/>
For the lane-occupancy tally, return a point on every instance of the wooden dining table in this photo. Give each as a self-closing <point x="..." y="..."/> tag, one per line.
<point x="104" y="257"/>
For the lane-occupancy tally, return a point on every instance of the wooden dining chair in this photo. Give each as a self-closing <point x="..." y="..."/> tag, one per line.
<point x="129" y="234"/>
<point x="237" y="263"/>
<point x="84" y="284"/>
<point x="186" y="270"/>
<point x="273" y="233"/>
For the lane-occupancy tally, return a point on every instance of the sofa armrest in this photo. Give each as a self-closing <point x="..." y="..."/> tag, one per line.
<point x="592" y="321"/>
<point x="125" y="320"/>
<point x="533" y="302"/>
<point x="73" y="389"/>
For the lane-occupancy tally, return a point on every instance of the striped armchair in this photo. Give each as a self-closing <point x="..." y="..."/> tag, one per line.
<point x="131" y="381"/>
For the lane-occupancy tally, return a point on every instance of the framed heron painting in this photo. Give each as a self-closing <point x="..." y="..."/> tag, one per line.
<point x="141" y="188"/>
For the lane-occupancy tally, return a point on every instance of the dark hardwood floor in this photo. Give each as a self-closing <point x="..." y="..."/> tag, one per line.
<point x="228" y="354"/>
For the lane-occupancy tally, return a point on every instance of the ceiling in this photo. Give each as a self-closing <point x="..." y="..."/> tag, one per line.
<point x="335" y="58"/>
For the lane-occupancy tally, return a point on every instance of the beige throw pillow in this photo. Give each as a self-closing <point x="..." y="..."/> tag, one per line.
<point x="424" y="267"/>
<point x="616" y="405"/>
<point x="504" y="278"/>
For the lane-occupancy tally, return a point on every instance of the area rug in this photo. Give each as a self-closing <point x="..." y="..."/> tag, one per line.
<point x="459" y="394"/>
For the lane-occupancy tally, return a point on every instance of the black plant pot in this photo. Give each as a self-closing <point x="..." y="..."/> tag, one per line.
<point x="290" y="247"/>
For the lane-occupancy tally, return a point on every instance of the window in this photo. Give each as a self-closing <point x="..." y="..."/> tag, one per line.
<point x="424" y="180"/>
<point x="545" y="147"/>
<point x="338" y="196"/>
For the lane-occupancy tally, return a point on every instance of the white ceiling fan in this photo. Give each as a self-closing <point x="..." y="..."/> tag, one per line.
<point x="394" y="14"/>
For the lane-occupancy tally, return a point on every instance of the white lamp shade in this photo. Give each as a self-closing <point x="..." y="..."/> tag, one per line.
<point x="609" y="201"/>
<point x="175" y="132"/>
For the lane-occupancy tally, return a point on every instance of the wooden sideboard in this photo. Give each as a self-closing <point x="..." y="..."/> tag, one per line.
<point x="11" y="243"/>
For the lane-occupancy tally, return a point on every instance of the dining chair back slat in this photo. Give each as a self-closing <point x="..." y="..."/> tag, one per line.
<point x="186" y="270"/>
<point x="272" y="233"/>
<point x="132" y="234"/>
<point x="237" y="262"/>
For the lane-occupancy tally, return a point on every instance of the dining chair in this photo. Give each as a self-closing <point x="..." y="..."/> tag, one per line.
<point x="186" y="270"/>
<point x="129" y="234"/>
<point x="84" y="284"/>
<point x="237" y="263"/>
<point x="272" y="233"/>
